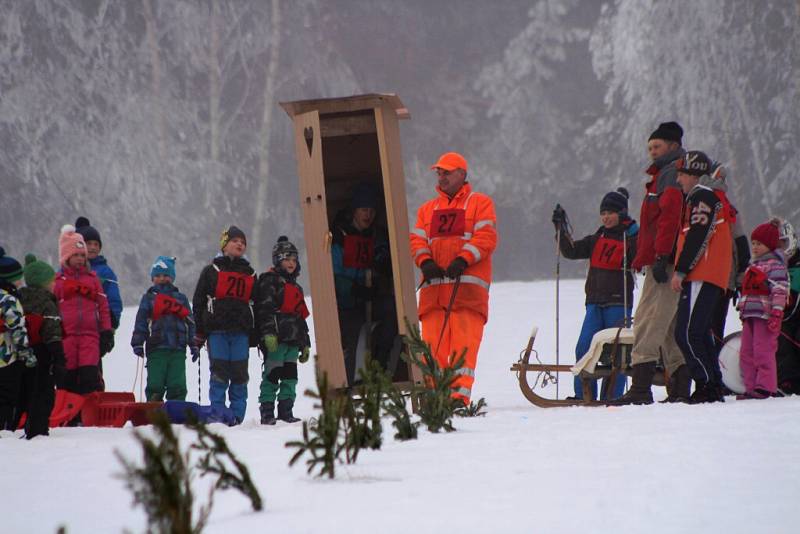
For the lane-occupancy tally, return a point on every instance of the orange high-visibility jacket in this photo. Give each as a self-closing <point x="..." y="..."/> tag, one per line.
<point x="463" y="226"/>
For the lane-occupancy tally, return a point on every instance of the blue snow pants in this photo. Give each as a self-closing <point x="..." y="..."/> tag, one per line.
<point x="597" y="318"/>
<point x="228" y="353"/>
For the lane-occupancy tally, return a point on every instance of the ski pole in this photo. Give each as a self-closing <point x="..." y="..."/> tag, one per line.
<point x="625" y="321"/>
<point x="558" y="276"/>
<point x="199" y="391"/>
<point x="447" y="314"/>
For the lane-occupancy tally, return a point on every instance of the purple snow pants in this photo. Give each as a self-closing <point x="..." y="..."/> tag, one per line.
<point x="757" y="356"/>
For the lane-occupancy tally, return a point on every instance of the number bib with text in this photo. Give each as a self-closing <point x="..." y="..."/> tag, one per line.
<point x="448" y="222"/>
<point x="293" y="301"/>
<point x="358" y="251"/>
<point x="755" y="282"/>
<point x="607" y="254"/>
<point x="165" y="305"/>
<point x="74" y="288"/>
<point x="232" y="285"/>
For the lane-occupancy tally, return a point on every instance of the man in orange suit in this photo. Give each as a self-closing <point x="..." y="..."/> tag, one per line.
<point x="452" y="244"/>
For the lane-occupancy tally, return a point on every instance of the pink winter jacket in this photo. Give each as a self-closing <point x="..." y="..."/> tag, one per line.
<point x="81" y="302"/>
<point x="765" y="286"/>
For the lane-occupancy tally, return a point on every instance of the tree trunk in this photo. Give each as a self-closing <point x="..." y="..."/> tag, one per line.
<point x="155" y="65"/>
<point x="266" y="121"/>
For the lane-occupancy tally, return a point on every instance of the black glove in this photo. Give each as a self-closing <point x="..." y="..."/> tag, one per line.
<point x="106" y="342"/>
<point x="362" y="292"/>
<point x="430" y="270"/>
<point x="559" y="217"/>
<point x="456" y="267"/>
<point x="660" y="270"/>
<point x="114" y="321"/>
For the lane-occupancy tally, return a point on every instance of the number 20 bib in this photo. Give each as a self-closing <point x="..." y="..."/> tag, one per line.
<point x="448" y="222"/>
<point x="232" y="285"/>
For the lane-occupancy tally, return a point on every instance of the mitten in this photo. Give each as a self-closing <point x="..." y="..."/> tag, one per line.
<point x="660" y="270"/>
<point x="559" y="217"/>
<point x="271" y="342"/>
<point x="195" y="354"/>
<point x="456" y="267"/>
<point x="431" y="271"/>
<point x="774" y="321"/>
<point x="304" y="354"/>
<point x="139" y="351"/>
<point x="106" y="341"/>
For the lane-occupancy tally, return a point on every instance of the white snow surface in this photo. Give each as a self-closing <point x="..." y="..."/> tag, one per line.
<point x="727" y="468"/>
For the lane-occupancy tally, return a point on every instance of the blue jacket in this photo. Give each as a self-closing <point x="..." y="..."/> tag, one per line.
<point x="110" y="287"/>
<point x="168" y="330"/>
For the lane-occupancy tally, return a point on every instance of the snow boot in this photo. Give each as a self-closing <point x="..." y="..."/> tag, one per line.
<point x="285" y="411"/>
<point x="679" y="385"/>
<point x="267" y="410"/>
<point x="708" y="392"/>
<point x="640" y="388"/>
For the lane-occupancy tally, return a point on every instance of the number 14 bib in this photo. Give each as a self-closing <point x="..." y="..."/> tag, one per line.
<point x="448" y="222"/>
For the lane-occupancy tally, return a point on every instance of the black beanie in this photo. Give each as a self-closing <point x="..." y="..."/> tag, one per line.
<point x="89" y="232"/>
<point x="668" y="131"/>
<point x="694" y="162"/>
<point x="616" y="201"/>
<point x="10" y="269"/>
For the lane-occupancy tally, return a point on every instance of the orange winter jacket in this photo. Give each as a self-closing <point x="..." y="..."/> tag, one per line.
<point x="447" y="228"/>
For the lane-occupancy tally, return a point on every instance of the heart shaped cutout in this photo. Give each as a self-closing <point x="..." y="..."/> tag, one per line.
<point x="308" y="133"/>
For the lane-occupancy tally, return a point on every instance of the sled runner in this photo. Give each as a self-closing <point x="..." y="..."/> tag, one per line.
<point x="608" y="355"/>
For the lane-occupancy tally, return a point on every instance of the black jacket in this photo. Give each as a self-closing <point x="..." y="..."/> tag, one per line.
<point x="222" y="303"/>
<point x="604" y="249"/>
<point x="280" y="308"/>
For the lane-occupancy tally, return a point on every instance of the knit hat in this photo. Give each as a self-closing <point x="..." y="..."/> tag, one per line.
<point x="767" y="233"/>
<point x="10" y="269"/>
<point x="163" y="265"/>
<point x="231" y="233"/>
<point x="364" y="196"/>
<point x="37" y="273"/>
<point x="282" y="250"/>
<point x="70" y="243"/>
<point x="668" y="131"/>
<point x="616" y="201"/>
<point x="89" y="232"/>
<point x="695" y="163"/>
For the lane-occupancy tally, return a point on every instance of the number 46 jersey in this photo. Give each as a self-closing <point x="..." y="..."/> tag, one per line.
<point x="223" y="298"/>
<point x="463" y="226"/>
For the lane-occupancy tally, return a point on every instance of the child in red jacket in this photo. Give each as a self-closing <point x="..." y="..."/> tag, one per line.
<point x="85" y="315"/>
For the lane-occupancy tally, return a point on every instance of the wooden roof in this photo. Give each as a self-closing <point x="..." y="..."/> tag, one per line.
<point x="347" y="104"/>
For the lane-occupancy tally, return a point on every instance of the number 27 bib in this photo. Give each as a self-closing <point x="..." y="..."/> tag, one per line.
<point x="448" y="222"/>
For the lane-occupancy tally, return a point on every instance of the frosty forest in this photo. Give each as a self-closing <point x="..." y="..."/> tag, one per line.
<point x="160" y="121"/>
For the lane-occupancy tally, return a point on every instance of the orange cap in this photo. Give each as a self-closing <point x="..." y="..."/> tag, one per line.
<point x="450" y="161"/>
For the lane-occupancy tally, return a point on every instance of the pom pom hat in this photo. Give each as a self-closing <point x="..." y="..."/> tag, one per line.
<point x="163" y="265"/>
<point x="616" y="201"/>
<point x="89" y="232"/>
<point x="282" y="250"/>
<point x="70" y="243"/>
<point x="37" y="272"/>
<point x="10" y="269"/>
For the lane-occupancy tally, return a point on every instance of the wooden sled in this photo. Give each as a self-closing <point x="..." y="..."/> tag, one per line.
<point x="616" y="357"/>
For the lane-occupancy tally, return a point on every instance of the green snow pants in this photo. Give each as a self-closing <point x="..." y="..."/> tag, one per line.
<point x="279" y="377"/>
<point x="166" y="372"/>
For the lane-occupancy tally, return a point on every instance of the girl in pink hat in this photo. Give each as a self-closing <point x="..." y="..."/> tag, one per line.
<point x="85" y="315"/>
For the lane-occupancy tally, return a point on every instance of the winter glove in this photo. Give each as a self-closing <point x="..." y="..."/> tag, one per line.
<point x="199" y="340"/>
<point x="456" y="267"/>
<point x="774" y="321"/>
<point x="28" y="357"/>
<point x="139" y="351"/>
<point x="362" y="292"/>
<point x="431" y="271"/>
<point x="271" y="342"/>
<point x="195" y="354"/>
<point x="303" y="358"/>
<point x="660" y="270"/>
<point x="106" y="342"/>
<point x="114" y="321"/>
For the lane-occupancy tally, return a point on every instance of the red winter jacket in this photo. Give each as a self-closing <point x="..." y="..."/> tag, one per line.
<point x="660" y="217"/>
<point x="81" y="302"/>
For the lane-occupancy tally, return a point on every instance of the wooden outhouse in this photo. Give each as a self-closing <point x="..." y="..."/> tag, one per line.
<point x="341" y="143"/>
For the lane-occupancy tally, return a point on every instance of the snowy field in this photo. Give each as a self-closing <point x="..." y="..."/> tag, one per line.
<point x="728" y="468"/>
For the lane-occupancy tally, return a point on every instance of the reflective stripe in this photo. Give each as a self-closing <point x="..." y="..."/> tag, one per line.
<point x="467" y="235"/>
<point x="420" y="232"/>
<point x="465" y="371"/>
<point x="465" y="279"/>
<point x="481" y="224"/>
<point x="474" y="250"/>
<point x="466" y="392"/>
<point x="421" y="251"/>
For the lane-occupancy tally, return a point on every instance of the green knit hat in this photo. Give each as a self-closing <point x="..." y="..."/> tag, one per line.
<point x="37" y="272"/>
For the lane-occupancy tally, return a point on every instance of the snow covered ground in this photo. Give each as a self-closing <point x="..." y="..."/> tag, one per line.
<point x="727" y="468"/>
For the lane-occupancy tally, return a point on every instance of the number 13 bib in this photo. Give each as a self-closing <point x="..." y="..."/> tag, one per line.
<point x="448" y="222"/>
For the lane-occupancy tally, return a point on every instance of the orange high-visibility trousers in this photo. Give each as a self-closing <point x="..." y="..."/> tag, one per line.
<point x="464" y="330"/>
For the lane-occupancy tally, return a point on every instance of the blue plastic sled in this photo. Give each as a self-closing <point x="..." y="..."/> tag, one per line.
<point x="177" y="413"/>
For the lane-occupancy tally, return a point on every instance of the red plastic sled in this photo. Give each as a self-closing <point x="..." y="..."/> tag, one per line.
<point x="65" y="408"/>
<point x="114" y="409"/>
